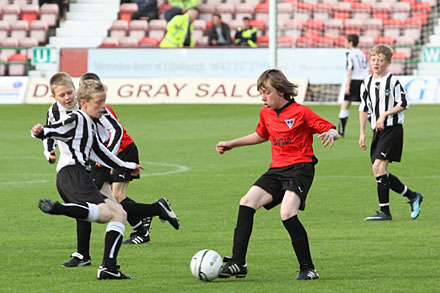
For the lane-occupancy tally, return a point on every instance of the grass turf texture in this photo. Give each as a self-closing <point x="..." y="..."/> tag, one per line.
<point x="351" y="255"/>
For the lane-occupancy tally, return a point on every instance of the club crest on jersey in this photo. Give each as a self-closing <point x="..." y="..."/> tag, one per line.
<point x="290" y="122"/>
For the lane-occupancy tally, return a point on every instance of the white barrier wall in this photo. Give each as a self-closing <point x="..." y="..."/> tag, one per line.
<point x="170" y="90"/>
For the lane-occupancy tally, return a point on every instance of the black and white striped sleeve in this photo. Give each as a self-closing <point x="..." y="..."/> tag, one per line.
<point x="103" y="156"/>
<point x="400" y="96"/>
<point x="49" y="144"/>
<point x="363" y="107"/>
<point x="114" y="127"/>
<point x="63" y="129"/>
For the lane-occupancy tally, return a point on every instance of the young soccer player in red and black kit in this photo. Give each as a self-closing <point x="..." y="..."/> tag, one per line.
<point x="290" y="128"/>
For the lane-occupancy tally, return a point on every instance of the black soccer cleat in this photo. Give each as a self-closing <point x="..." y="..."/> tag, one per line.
<point x="47" y="206"/>
<point x="78" y="260"/>
<point x="307" y="274"/>
<point x="379" y="216"/>
<point x="106" y="274"/>
<point x="232" y="269"/>
<point x="415" y="205"/>
<point x="167" y="214"/>
<point x="137" y="238"/>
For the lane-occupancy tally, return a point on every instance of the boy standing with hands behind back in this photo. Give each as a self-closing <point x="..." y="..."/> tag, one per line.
<point x="384" y="98"/>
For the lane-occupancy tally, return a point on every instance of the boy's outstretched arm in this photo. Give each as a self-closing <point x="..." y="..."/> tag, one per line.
<point x="250" y="139"/>
<point x="328" y="138"/>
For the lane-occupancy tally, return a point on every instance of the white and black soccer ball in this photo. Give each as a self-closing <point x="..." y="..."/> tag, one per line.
<point x="206" y="265"/>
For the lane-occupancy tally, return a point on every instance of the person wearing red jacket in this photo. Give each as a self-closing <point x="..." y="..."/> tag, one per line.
<point x="290" y="128"/>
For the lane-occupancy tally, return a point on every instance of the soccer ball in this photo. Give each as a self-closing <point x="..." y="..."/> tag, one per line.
<point x="206" y="264"/>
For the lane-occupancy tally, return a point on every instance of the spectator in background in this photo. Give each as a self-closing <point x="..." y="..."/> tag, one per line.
<point x="146" y="8"/>
<point x="180" y="7"/>
<point x="219" y="33"/>
<point x="246" y="35"/>
<point x="180" y="29"/>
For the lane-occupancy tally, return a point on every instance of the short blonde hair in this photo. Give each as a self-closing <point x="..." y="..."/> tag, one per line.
<point x="279" y="82"/>
<point x="88" y="88"/>
<point x="382" y="49"/>
<point x="58" y="79"/>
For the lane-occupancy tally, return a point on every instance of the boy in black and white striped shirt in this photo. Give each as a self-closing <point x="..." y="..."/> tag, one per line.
<point x="83" y="199"/>
<point x="383" y="97"/>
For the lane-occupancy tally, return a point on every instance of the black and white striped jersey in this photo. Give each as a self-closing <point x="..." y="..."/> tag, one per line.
<point x="109" y="131"/>
<point x="381" y="95"/>
<point x="357" y="62"/>
<point x="55" y="113"/>
<point x="80" y="134"/>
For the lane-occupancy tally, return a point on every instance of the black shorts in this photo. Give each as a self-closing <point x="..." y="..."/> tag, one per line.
<point x="75" y="185"/>
<point x="387" y="144"/>
<point x="101" y="175"/>
<point x="130" y="154"/>
<point x="297" y="178"/>
<point x="355" y="91"/>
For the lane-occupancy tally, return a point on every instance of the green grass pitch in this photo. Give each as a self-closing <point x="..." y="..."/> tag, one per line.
<point x="177" y="148"/>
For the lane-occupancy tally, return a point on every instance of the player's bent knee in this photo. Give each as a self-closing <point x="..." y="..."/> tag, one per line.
<point x="285" y="215"/>
<point x="119" y="214"/>
<point x="104" y="214"/>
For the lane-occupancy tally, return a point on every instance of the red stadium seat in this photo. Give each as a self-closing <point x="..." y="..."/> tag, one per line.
<point x="39" y="30"/>
<point x="148" y="42"/>
<point x="382" y="7"/>
<point x="342" y="16"/>
<point x="263" y="41"/>
<point x="399" y="56"/>
<point x="49" y="13"/>
<point x="325" y="42"/>
<point x="385" y="40"/>
<point x="126" y="10"/>
<point x="17" y="69"/>
<point x="119" y="28"/>
<point x="128" y="42"/>
<point x="286" y="41"/>
<point x="11" y="12"/>
<point x="109" y="42"/>
<point x="314" y="24"/>
<point x="4" y="29"/>
<point x="341" y="7"/>
<point x="138" y="28"/>
<point x="259" y="24"/>
<point x="380" y="15"/>
<point x="244" y="10"/>
<point x="9" y="42"/>
<point x="30" y="12"/>
<point x="304" y="42"/>
<point x="19" y="29"/>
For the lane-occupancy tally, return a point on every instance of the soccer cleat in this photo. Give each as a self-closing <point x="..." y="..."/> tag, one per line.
<point x="379" y="216"/>
<point x="77" y="260"/>
<point x="307" y="274"/>
<point x="47" y="206"/>
<point x="167" y="214"/>
<point x="137" y="238"/>
<point x="415" y="205"/>
<point x="104" y="273"/>
<point x="233" y="269"/>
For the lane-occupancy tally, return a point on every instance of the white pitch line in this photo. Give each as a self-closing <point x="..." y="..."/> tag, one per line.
<point x="25" y="182"/>
<point x="179" y="168"/>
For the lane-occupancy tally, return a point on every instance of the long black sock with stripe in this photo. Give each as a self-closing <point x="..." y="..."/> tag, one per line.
<point x="397" y="186"/>
<point x="300" y="242"/>
<point x="383" y="192"/>
<point x="73" y="210"/>
<point x="242" y="233"/>
<point x="113" y="240"/>
<point x="135" y="222"/>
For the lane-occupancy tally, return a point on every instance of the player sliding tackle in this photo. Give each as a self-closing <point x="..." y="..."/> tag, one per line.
<point x="83" y="200"/>
<point x="290" y="128"/>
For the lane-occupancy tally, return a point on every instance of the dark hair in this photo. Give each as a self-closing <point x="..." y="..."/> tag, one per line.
<point x="88" y="76"/>
<point x="279" y="82"/>
<point x="217" y="14"/>
<point x="246" y="18"/>
<point x="353" y="38"/>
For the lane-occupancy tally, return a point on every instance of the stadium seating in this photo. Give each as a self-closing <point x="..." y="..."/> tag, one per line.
<point x="39" y="30"/>
<point x="148" y="42"/>
<point x="49" y="13"/>
<point x="138" y="29"/>
<point x="17" y="69"/>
